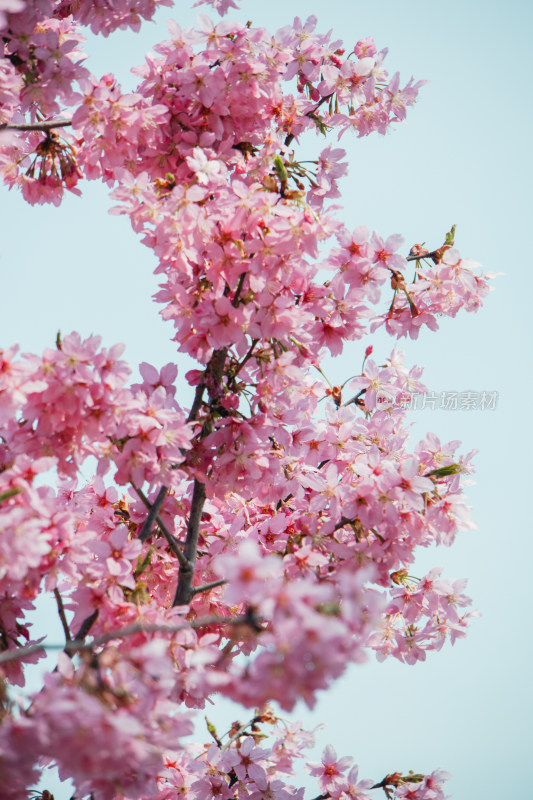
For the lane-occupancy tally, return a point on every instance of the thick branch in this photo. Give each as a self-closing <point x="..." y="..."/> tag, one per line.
<point x="184" y="590"/>
<point x="35" y="126"/>
<point x="197" y="403"/>
<point x="86" y="626"/>
<point x="212" y="375"/>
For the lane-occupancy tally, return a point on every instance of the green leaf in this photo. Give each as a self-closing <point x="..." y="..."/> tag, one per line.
<point x="450" y="236"/>
<point x="212" y="730"/>
<point x="443" y="472"/>
<point x="9" y="493"/>
<point x="280" y="169"/>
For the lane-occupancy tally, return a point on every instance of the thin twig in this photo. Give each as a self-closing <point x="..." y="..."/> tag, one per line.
<point x="171" y="540"/>
<point x="240" y="731"/>
<point x="246" y="357"/>
<point x="62" y="615"/>
<point x="35" y="126"/>
<point x="76" y="645"/>
<point x="290" y="136"/>
<point x="140" y="627"/>
<point x="355" y="398"/>
<point x="207" y="586"/>
<point x="153" y="512"/>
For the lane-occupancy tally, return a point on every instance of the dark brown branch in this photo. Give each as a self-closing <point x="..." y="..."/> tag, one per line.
<point x="171" y="540"/>
<point x="212" y="375"/>
<point x="206" y="587"/>
<point x="235" y="301"/>
<point x="246" y="358"/>
<point x="216" y="365"/>
<point x="342" y="522"/>
<point x="355" y="399"/>
<point x="62" y="615"/>
<point x="184" y="591"/>
<point x="172" y="543"/>
<point x="86" y="626"/>
<point x="423" y="256"/>
<point x="35" y="126"/>
<point x="153" y="513"/>
<point x="197" y="403"/>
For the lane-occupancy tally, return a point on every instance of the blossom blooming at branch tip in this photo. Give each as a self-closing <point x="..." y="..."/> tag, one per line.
<point x="330" y="770"/>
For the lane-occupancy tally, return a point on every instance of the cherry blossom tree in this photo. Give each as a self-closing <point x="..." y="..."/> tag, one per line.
<point x="253" y="545"/>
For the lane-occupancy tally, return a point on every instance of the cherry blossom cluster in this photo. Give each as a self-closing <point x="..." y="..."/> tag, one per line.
<point x="71" y="403"/>
<point x="258" y="543"/>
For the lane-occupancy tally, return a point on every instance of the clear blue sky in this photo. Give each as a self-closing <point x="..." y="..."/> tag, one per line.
<point x="464" y="157"/>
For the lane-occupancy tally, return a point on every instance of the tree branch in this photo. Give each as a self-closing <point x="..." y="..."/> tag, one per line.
<point x="86" y="626"/>
<point x="198" y="397"/>
<point x="184" y="591"/>
<point x="153" y="513"/>
<point x="290" y="136"/>
<point x="207" y="586"/>
<point x="35" y="126"/>
<point x="239" y="732"/>
<point x="77" y="645"/>
<point x="212" y="379"/>
<point x="235" y="301"/>
<point x="246" y="357"/>
<point x="423" y="256"/>
<point x="171" y="540"/>
<point x="212" y="374"/>
<point x="62" y="615"/>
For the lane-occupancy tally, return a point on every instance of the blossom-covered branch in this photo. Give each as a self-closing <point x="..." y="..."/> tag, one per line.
<point x="257" y="544"/>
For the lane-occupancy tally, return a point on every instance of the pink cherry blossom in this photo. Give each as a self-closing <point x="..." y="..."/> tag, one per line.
<point x="330" y="770"/>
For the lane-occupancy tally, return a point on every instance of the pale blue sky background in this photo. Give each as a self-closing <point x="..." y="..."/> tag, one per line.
<point x="464" y="157"/>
